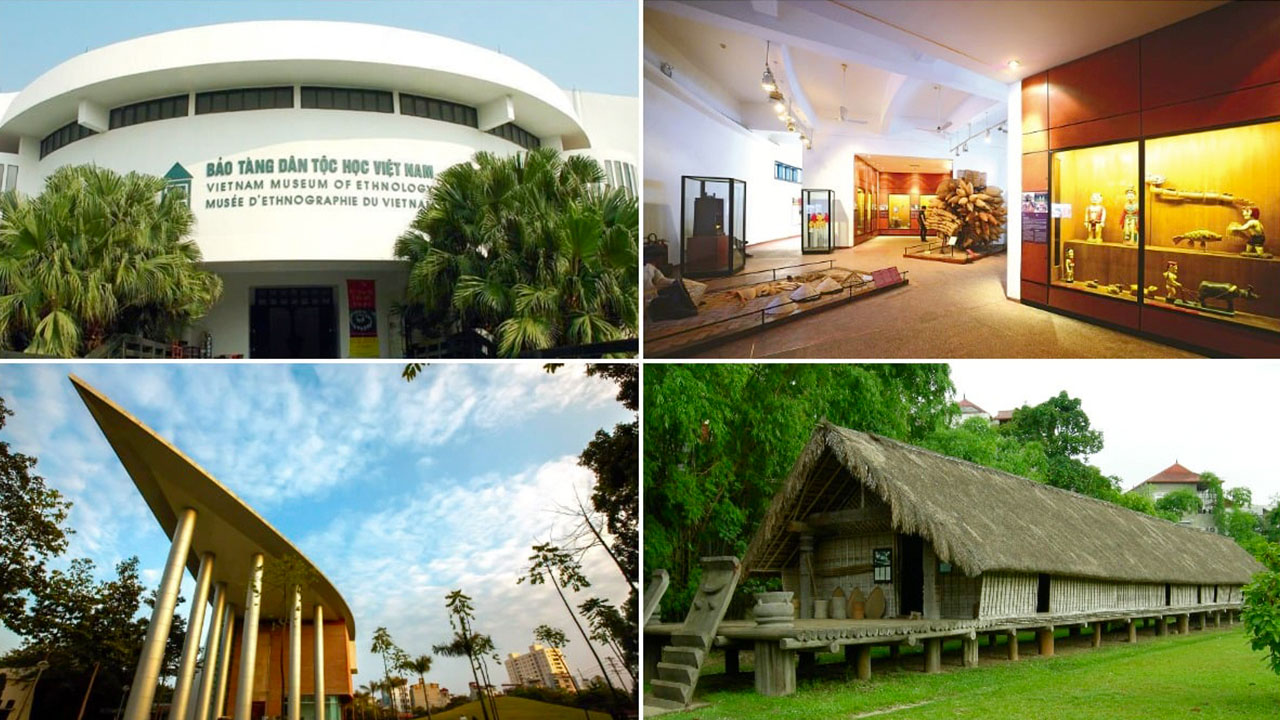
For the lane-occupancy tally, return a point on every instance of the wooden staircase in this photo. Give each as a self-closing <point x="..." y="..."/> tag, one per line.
<point x="682" y="660"/>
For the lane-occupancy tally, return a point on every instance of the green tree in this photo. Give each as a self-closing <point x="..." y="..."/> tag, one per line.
<point x="420" y="665"/>
<point x="31" y="522"/>
<point x="549" y="563"/>
<point x="281" y="575"/>
<point x="529" y="248"/>
<point x="97" y="253"/>
<point x="1180" y="502"/>
<point x="1261" y="614"/>
<point x="90" y="633"/>
<point x="977" y="441"/>
<point x="1240" y="497"/>
<point x="550" y="636"/>
<point x="1059" y="424"/>
<point x="720" y="438"/>
<point x="385" y="647"/>
<point x="468" y="643"/>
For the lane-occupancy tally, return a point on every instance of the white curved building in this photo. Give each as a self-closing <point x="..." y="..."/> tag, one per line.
<point x="306" y="148"/>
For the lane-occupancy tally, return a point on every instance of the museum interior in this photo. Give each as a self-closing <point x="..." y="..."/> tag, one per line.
<point x="981" y="179"/>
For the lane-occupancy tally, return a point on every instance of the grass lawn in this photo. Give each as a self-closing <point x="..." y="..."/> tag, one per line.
<point x="515" y="708"/>
<point x="1211" y="674"/>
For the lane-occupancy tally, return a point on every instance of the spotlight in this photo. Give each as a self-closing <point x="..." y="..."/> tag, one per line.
<point x="966" y="146"/>
<point x="1014" y="64"/>
<point x="766" y="80"/>
<point x="779" y="102"/>
<point x="987" y="138"/>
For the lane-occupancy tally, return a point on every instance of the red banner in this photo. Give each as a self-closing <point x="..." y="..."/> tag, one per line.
<point x="362" y="305"/>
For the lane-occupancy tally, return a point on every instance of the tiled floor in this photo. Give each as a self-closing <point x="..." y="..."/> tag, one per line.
<point x="946" y="311"/>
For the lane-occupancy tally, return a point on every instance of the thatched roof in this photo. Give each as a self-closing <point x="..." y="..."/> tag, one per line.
<point x="980" y="519"/>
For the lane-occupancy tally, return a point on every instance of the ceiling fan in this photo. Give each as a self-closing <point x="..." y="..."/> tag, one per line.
<point x="844" y="111"/>
<point x="941" y="126"/>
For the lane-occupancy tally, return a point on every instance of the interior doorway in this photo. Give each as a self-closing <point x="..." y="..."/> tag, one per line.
<point x="293" y="323"/>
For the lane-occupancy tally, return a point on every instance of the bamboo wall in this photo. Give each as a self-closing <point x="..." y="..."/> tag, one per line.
<point x="847" y="551"/>
<point x="960" y="595"/>
<point x="1008" y="595"/>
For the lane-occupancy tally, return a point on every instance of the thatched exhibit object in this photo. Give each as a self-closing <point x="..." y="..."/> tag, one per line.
<point x="876" y="604"/>
<point x="976" y="214"/>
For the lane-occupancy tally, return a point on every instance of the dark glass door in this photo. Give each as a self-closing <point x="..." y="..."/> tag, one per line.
<point x="293" y="323"/>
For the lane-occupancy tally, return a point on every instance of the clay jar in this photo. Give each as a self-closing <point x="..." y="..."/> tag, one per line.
<point x="773" y="608"/>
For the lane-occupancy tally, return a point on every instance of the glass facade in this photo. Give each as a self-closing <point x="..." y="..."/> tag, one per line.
<point x="331" y="98"/>
<point x="149" y="110"/>
<point x="63" y="137"/>
<point x="266" y="98"/>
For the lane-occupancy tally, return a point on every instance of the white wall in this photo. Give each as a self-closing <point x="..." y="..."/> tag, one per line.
<point x="829" y="165"/>
<point x="228" y="321"/>
<point x="612" y="123"/>
<point x="684" y="139"/>
<point x="306" y="232"/>
<point x="1013" y="158"/>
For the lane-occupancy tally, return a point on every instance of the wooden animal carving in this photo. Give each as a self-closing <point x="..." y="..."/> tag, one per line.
<point x="1210" y="290"/>
<point x="1198" y="236"/>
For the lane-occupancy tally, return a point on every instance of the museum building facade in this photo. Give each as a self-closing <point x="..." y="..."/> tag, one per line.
<point x="305" y="149"/>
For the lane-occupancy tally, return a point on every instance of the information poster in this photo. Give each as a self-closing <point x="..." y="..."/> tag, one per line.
<point x="362" y="308"/>
<point x="1035" y="217"/>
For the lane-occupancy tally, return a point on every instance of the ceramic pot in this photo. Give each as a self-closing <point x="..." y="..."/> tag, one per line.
<point x="774" y="608"/>
<point x="820" y="609"/>
<point x="838" y="610"/>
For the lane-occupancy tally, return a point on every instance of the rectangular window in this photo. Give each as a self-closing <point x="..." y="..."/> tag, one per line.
<point x="782" y="171"/>
<point x="244" y="99"/>
<point x="148" y="111"/>
<point x="11" y="178"/>
<point x="882" y="565"/>
<point x="64" y="136"/>
<point x="326" y="98"/>
<point x="435" y="109"/>
<point x="517" y="135"/>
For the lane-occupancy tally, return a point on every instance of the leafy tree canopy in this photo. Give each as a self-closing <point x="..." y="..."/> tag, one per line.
<point x="1182" y="502"/>
<point x="31" y="525"/>
<point x="1059" y="424"/>
<point x="97" y="253"/>
<point x="1261" y="613"/>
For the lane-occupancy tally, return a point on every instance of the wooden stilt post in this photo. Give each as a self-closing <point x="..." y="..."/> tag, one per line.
<point x="1096" y="639"/>
<point x="863" y="661"/>
<point x="732" y="663"/>
<point x="1184" y="624"/>
<point x="775" y="669"/>
<point x="1162" y="625"/>
<point x="933" y="655"/>
<point x="1013" y="645"/>
<point x="1200" y="621"/>
<point x="1044" y="638"/>
<point x="1217" y="618"/>
<point x="971" y="652"/>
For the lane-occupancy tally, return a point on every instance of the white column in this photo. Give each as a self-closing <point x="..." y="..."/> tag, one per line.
<point x="148" y="670"/>
<point x="249" y="640"/>
<point x="318" y="624"/>
<point x="191" y="644"/>
<point x="200" y="711"/>
<point x="295" y="655"/>
<point x="219" y="703"/>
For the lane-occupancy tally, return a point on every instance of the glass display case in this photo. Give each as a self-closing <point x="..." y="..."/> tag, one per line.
<point x="816" y="231"/>
<point x="861" y="213"/>
<point x="899" y="211"/>
<point x="1095" y="214"/>
<point x="1210" y="199"/>
<point x="713" y="224"/>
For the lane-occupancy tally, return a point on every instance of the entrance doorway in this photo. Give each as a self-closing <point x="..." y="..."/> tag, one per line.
<point x="293" y="323"/>
<point x="910" y="574"/>
<point x="1042" y="593"/>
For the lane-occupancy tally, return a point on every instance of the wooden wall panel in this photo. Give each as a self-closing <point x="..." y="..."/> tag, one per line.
<point x="1096" y="86"/>
<point x="1228" y="48"/>
<point x="1123" y="313"/>
<point x="1035" y="172"/>
<point x="1217" y="335"/>
<point x="1035" y="103"/>
<point x="1034" y="292"/>
<point x="1096" y="132"/>
<point x="1254" y="103"/>
<point x="1035" y="262"/>
<point x="1035" y="142"/>
<point x="913" y="184"/>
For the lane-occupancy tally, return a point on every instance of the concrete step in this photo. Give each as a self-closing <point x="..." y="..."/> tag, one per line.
<point x="677" y="672"/>
<point x="673" y="691"/>
<point x="665" y="704"/>
<point x="692" y="640"/>
<point x="682" y="656"/>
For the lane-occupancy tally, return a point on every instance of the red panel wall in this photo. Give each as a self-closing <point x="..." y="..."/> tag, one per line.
<point x="1035" y="103"/>
<point x="1229" y="48"/>
<point x="1101" y="85"/>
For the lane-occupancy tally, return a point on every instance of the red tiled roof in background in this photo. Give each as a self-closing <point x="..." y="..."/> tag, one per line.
<point x="1175" y="473"/>
<point x="966" y="404"/>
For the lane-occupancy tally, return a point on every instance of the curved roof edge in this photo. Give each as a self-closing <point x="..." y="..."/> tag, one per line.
<point x="344" y="49"/>
<point x="226" y="526"/>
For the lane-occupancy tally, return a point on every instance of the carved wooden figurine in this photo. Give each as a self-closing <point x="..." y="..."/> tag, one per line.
<point x="1129" y="218"/>
<point x="1172" y="288"/>
<point x="1252" y="231"/>
<point x="1094" y="217"/>
<point x="1069" y="266"/>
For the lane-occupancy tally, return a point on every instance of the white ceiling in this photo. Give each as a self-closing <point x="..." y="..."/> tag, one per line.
<point x="910" y="64"/>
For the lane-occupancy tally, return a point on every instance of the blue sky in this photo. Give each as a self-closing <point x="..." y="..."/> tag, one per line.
<point x="584" y="44"/>
<point x="399" y="492"/>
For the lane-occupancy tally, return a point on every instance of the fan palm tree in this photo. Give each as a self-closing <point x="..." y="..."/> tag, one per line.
<point x="420" y="665"/>
<point x="97" y="253"/>
<point x="531" y="248"/>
